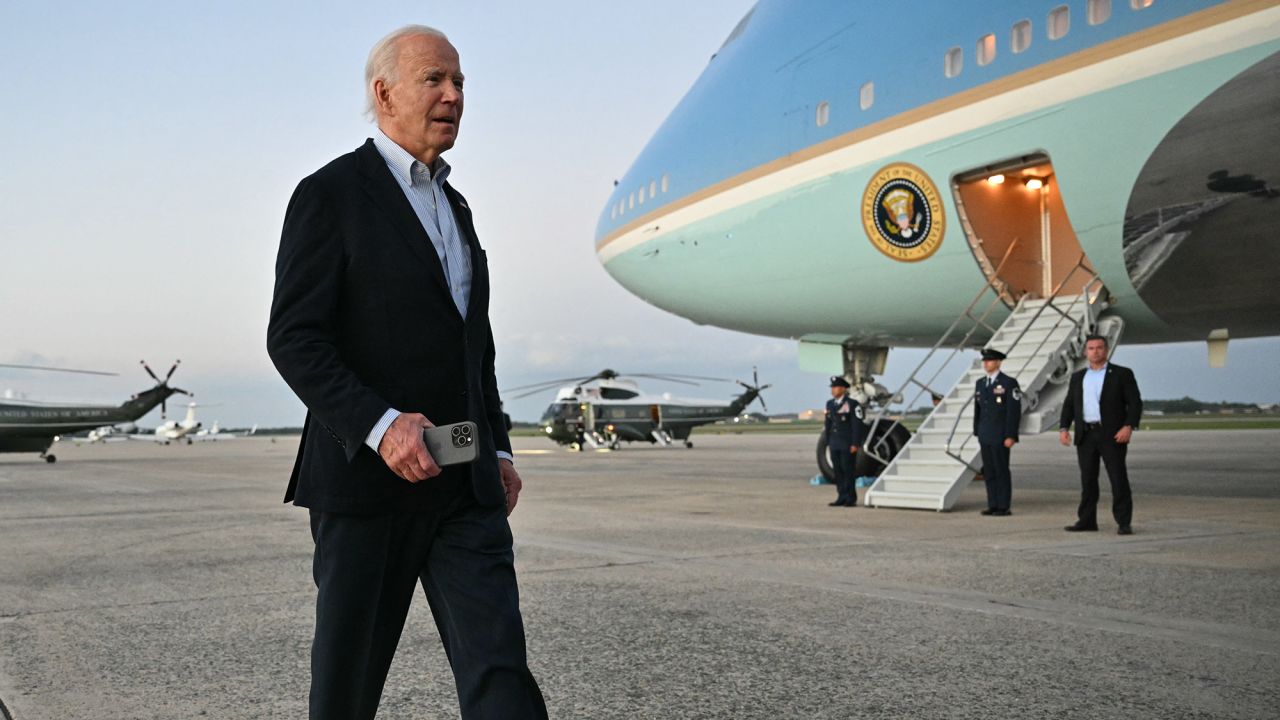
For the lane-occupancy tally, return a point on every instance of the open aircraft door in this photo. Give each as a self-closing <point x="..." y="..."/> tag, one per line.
<point x="1017" y="226"/>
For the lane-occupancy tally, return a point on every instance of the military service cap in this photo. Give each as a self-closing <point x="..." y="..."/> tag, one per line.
<point x="837" y="381"/>
<point x="992" y="354"/>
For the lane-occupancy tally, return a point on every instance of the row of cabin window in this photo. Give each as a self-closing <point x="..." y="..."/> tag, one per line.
<point x="1059" y="23"/>
<point x="638" y="198"/>
<point x="1057" y="26"/>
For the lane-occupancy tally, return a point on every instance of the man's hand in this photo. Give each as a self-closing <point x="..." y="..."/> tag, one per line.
<point x="853" y="449"/>
<point x="1008" y="442"/>
<point x="1123" y="436"/>
<point x="404" y="452"/>
<point x="511" y="483"/>
<point x="1065" y="437"/>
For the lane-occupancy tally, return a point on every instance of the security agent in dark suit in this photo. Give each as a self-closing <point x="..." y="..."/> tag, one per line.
<point x="1104" y="405"/>
<point x="997" y="412"/>
<point x="845" y="427"/>
<point x="380" y="326"/>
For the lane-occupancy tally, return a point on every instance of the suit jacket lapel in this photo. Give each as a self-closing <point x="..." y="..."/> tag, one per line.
<point x="387" y="194"/>
<point x="479" y="270"/>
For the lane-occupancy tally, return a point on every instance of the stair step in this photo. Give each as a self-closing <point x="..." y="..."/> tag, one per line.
<point x="923" y="501"/>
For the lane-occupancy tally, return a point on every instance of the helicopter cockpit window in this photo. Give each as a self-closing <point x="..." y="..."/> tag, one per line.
<point x="611" y="393"/>
<point x="561" y="411"/>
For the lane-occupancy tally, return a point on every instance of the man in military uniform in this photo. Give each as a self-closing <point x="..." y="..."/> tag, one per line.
<point x="845" y="429"/>
<point x="997" y="411"/>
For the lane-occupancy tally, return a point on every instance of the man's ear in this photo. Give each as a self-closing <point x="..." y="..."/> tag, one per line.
<point x="382" y="97"/>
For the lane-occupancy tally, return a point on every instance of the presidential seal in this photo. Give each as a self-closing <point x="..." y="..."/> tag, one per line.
<point x="902" y="213"/>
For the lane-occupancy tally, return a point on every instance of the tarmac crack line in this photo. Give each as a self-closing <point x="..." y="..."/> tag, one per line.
<point x="1220" y="635"/>
<point x="11" y="617"/>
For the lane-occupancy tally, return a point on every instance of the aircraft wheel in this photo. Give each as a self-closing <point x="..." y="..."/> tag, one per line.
<point x="887" y="442"/>
<point x="51" y="458"/>
<point x="615" y="445"/>
<point x="688" y="443"/>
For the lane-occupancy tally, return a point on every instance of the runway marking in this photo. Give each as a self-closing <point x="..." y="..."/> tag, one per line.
<point x="1090" y="617"/>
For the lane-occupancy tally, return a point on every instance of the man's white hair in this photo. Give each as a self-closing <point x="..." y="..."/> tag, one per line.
<point x="382" y="62"/>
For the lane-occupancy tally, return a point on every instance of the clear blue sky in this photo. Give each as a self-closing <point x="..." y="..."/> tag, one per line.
<point x="149" y="149"/>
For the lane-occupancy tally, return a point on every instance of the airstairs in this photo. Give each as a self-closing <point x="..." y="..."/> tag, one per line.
<point x="1043" y="340"/>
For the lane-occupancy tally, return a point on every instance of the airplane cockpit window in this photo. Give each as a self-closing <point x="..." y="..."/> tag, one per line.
<point x="737" y="29"/>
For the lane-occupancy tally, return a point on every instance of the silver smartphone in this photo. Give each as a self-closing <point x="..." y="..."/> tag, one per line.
<point x="451" y="444"/>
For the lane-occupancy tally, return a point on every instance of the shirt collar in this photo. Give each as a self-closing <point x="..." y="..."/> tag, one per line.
<point x="992" y="376"/>
<point x="1101" y="369"/>
<point x="404" y="165"/>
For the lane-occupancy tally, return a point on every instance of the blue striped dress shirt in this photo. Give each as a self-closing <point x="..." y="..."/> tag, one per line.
<point x="424" y="188"/>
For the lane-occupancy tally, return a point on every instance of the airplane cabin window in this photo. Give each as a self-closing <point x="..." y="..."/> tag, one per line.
<point x="613" y="212"/>
<point x="653" y="188"/>
<point x="631" y="201"/>
<point x="954" y="62"/>
<point x="986" y="49"/>
<point x="824" y="113"/>
<point x="1098" y="11"/>
<point x="1141" y="4"/>
<point x="1021" y="36"/>
<point x="1059" y="22"/>
<point x="867" y="95"/>
<point x="665" y="180"/>
<point x="640" y="195"/>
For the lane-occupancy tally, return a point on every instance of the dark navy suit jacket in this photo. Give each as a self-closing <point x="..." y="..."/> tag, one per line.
<point x="844" y="423"/>
<point x="362" y="321"/>
<point x="997" y="409"/>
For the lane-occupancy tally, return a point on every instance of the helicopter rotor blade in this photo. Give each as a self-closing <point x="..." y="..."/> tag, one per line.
<point x="147" y="367"/>
<point x="56" y="369"/>
<point x="180" y="391"/>
<point x="176" y="363"/>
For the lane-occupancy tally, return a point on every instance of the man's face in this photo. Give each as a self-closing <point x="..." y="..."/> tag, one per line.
<point x="1095" y="351"/>
<point x="423" y="109"/>
<point x="837" y="392"/>
<point x="990" y="366"/>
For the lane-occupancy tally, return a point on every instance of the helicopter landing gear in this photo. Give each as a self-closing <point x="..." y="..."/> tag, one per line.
<point x="688" y="444"/>
<point x="49" y="457"/>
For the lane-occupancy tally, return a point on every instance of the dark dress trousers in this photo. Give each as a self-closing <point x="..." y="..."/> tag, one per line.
<point x="1120" y="404"/>
<point x="997" y="412"/>
<point x="362" y="321"/>
<point x="845" y="426"/>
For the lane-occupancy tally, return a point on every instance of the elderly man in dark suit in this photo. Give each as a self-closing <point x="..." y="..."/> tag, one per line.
<point x="380" y="325"/>
<point x="1104" y="405"/>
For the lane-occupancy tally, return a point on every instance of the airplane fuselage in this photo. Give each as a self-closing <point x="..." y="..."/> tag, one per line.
<point x="1138" y="141"/>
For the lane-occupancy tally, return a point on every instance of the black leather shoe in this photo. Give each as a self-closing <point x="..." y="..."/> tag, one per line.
<point x="837" y="503"/>
<point x="1001" y="513"/>
<point x="1124" y="530"/>
<point x="1081" y="528"/>
<point x="988" y="511"/>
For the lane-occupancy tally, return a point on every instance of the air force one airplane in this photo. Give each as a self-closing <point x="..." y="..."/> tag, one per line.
<point x="865" y="175"/>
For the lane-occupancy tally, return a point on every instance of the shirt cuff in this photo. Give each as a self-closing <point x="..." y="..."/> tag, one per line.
<point x="380" y="428"/>
<point x="504" y="455"/>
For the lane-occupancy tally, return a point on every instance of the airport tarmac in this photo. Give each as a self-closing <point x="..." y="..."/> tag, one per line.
<point x="139" y="581"/>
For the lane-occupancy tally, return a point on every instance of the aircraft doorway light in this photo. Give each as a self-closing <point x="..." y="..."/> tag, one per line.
<point x="996" y="179"/>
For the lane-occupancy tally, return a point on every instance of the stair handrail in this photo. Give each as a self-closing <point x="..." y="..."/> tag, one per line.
<point x="877" y="450"/>
<point x="1082" y="327"/>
